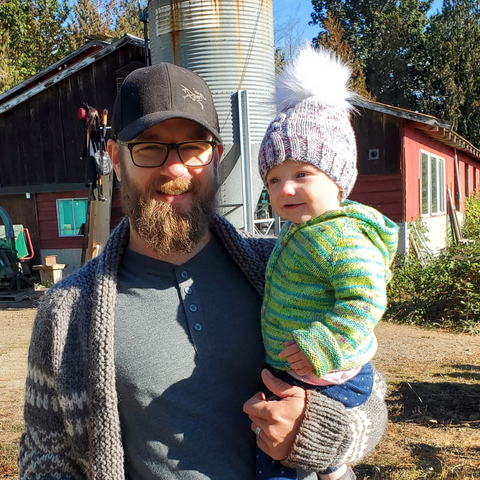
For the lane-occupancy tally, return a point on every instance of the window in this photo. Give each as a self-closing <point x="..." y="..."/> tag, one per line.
<point x="432" y="181"/>
<point x="71" y="214"/>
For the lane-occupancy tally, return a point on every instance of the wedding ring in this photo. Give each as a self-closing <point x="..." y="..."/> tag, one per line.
<point x="257" y="431"/>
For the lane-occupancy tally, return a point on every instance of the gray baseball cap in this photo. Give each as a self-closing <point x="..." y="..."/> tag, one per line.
<point x="151" y="95"/>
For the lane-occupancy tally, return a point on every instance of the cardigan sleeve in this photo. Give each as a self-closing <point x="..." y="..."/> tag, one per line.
<point x="331" y="435"/>
<point x="356" y="271"/>
<point x="46" y="450"/>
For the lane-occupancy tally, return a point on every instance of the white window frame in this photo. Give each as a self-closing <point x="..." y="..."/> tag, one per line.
<point x="438" y="196"/>
<point x="75" y="226"/>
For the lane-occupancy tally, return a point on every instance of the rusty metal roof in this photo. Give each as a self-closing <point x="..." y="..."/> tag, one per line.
<point x="75" y="61"/>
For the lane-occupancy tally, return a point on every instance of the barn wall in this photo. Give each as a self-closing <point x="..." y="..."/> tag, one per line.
<point x="48" y="221"/>
<point x="376" y="130"/>
<point x="469" y="182"/>
<point x="41" y="139"/>
<point x="382" y="192"/>
<point x="414" y="142"/>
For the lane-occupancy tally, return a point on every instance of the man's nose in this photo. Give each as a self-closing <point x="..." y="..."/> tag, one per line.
<point x="173" y="166"/>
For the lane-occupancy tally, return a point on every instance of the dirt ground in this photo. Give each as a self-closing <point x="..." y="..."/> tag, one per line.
<point x="434" y="400"/>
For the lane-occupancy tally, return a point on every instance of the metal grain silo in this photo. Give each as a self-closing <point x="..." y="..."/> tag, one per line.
<point x="230" y="44"/>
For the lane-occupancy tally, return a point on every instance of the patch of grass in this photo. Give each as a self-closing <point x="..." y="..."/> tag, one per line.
<point x="407" y="454"/>
<point x="8" y="460"/>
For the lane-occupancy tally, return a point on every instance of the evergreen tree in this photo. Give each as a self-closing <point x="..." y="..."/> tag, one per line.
<point x="112" y="18"/>
<point x="385" y="36"/>
<point x="37" y="33"/>
<point x="452" y="76"/>
<point x="332" y="39"/>
<point x="32" y="37"/>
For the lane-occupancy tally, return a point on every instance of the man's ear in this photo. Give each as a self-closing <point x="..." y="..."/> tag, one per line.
<point x="113" y="151"/>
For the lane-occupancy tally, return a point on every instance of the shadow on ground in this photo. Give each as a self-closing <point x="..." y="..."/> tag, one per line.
<point x="438" y="403"/>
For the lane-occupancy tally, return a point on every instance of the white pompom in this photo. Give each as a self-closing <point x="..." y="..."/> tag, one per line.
<point x="315" y="73"/>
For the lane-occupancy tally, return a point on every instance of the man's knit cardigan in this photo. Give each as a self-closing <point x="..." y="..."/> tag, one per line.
<point x="72" y="426"/>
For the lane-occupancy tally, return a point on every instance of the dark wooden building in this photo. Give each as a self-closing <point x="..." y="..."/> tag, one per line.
<point x="407" y="162"/>
<point x="42" y="177"/>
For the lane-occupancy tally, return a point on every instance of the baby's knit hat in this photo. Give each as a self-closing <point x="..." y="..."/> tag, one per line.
<point x="313" y="123"/>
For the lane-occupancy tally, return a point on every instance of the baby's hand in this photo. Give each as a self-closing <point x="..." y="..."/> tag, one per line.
<point x="297" y="359"/>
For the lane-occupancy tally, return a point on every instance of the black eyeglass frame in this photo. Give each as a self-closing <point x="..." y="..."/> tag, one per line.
<point x="170" y="147"/>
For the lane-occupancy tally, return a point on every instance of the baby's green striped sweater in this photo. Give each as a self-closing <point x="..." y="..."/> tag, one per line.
<point x="326" y="287"/>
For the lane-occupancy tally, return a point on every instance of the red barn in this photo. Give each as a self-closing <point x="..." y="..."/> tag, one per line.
<point x="42" y="177"/>
<point x="407" y="162"/>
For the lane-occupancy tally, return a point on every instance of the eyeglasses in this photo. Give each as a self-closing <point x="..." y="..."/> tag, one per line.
<point x="193" y="154"/>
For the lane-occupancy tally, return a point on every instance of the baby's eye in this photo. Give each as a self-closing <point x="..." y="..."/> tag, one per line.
<point x="301" y="174"/>
<point x="271" y="181"/>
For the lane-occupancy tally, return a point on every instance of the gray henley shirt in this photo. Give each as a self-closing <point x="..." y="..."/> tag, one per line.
<point x="188" y="354"/>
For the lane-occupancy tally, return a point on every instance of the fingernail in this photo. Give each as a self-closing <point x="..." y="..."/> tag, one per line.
<point x="268" y="373"/>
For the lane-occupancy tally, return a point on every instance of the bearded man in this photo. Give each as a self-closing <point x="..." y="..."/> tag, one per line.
<point x="141" y="361"/>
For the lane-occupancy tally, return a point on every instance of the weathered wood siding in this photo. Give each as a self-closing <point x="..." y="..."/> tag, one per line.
<point x="41" y="139"/>
<point x="48" y="220"/>
<point x="376" y="130"/>
<point x="383" y="192"/>
<point x="379" y="183"/>
<point x="48" y="234"/>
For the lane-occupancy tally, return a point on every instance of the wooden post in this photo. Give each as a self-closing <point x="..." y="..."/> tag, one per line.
<point x="100" y="212"/>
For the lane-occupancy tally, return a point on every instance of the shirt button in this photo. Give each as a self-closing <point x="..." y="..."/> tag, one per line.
<point x="193" y="307"/>
<point x="184" y="274"/>
<point x="198" y="327"/>
<point x="188" y="290"/>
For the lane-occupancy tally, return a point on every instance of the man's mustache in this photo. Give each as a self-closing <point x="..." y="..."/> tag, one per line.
<point x="172" y="187"/>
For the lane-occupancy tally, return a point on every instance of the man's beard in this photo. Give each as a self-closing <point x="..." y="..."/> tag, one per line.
<point x="164" y="227"/>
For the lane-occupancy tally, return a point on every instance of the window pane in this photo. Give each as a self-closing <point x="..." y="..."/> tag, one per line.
<point x="71" y="215"/>
<point x="80" y="213"/>
<point x="424" y="182"/>
<point x="65" y="214"/>
<point x="441" y="184"/>
<point x="434" y="185"/>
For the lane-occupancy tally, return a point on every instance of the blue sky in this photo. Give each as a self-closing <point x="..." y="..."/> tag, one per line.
<point x="301" y="10"/>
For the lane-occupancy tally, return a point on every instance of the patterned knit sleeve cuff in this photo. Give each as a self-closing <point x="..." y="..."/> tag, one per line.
<point x="331" y="435"/>
<point x="322" y="434"/>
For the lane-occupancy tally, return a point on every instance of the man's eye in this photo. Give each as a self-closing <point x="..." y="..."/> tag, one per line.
<point x="192" y="148"/>
<point x="149" y="147"/>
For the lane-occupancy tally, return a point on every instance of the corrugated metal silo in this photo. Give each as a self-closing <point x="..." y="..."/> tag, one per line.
<point x="230" y="44"/>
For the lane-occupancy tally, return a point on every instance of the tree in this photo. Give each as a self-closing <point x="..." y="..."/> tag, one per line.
<point x="32" y="37"/>
<point x="37" y="33"/>
<point x="289" y="38"/>
<point x="385" y="36"/>
<point x="112" y="18"/>
<point x="452" y="57"/>
<point x="332" y="39"/>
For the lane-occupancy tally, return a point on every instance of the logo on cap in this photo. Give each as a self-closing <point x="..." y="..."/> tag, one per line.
<point x="195" y="96"/>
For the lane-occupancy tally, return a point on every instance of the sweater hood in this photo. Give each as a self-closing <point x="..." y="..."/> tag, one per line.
<point x="382" y="231"/>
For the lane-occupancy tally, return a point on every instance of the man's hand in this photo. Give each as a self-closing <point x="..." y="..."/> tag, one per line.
<point x="278" y="418"/>
<point x="296" y="358"/>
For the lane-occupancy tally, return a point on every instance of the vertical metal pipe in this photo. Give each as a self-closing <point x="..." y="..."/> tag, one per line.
<point x="246" y="157"/>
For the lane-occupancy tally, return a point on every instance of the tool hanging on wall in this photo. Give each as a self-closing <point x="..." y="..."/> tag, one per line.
<point x="99" y="168"/>
<point x="98" y="162"/>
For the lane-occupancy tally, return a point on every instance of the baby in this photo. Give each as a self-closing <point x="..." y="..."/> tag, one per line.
<point x="326" y="278"/>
